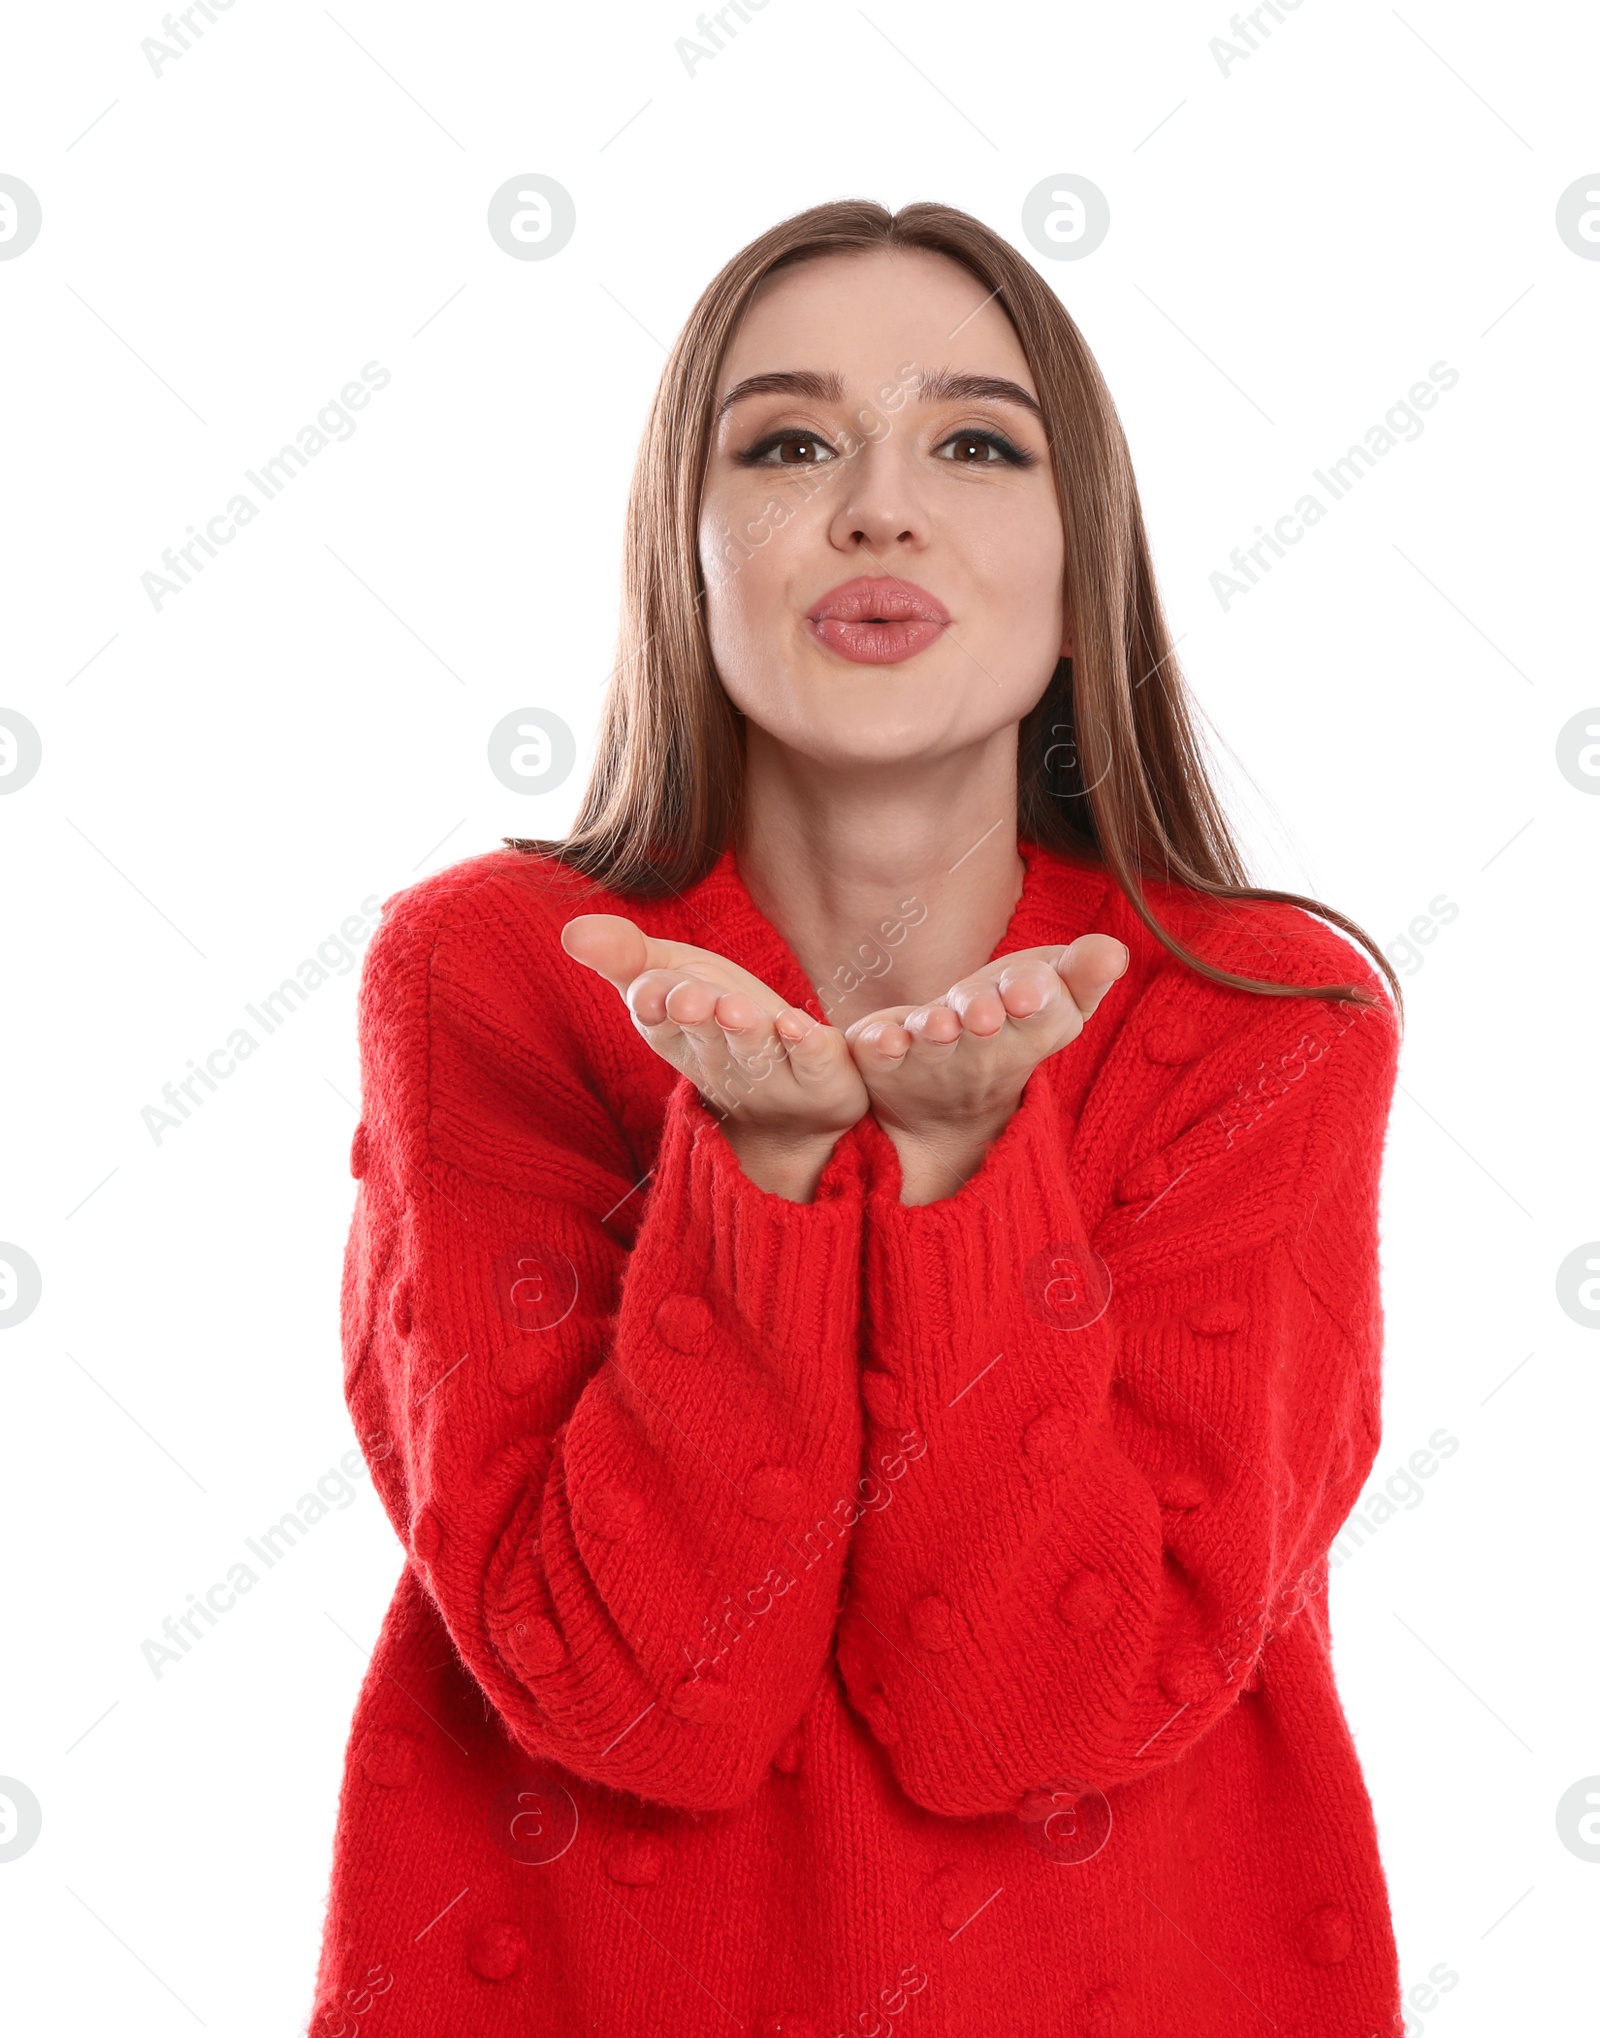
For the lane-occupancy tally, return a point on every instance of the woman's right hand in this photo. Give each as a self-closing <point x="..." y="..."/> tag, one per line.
<point x="788" y="1086"/>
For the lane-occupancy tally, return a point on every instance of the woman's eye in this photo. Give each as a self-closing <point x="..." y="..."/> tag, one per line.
<point x="806" y="449"/>
<point x="983" y="449"/>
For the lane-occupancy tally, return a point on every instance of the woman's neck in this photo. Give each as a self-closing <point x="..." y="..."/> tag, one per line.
<point x="889" y="883"/>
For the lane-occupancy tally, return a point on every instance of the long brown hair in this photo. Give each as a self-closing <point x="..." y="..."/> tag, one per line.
<point x="1109" y="766"/>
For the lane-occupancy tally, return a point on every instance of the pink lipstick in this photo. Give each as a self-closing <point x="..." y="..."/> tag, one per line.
<point x="878" y="620"/>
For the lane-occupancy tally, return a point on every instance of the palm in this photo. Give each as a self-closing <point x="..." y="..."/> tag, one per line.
<point x="962" y="1061"/>
<point x="748" y="1050"/>
<point x="942" y="1078"/>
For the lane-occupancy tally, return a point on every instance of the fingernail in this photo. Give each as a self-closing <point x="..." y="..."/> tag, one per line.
<point x="1127" y="957"/>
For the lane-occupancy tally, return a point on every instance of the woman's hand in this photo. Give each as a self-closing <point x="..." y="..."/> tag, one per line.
<point x="787" y="1085"/>
<point x="944" y="1078"/>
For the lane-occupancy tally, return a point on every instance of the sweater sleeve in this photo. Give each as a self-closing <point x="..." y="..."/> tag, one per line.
<point x="1147" y="1369"/>
<point x="594" y="1407"/>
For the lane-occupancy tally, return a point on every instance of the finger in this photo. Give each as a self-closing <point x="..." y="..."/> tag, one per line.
<point x="608" y="944"/>
<point x="1013" y="987"/>
<point x="979" y="1005"/>
<point x="691" y="1006"/>
<point x="619" y="950"/>
<point x="738" y="1012"/>
<point x="878" y="1042"/>
<point x="814" y="1050"/>
<point x="749" y="1035"/>
<point x="1036" y="999"/>
<point x="796" y="1027"/>
<point x="1029" y="989"/>
<point x="788" y="1032"/>
<point x="812" y="1054"/>
<point x="646" y="995"/>
<point x="934" y="1026"/>
<point x="1090" y="966"/>
<point x="668" y="1005"/>
<point x="737" y="1049"/>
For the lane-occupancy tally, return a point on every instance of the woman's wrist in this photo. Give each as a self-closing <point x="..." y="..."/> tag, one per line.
<point x="783" y="1162"/>
<point x="937" y="1158"/>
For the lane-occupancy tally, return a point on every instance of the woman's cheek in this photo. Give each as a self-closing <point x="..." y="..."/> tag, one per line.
<point x="1019" y="561"/>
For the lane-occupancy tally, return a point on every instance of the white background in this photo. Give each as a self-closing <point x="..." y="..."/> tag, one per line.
<point x="225" y="780"/>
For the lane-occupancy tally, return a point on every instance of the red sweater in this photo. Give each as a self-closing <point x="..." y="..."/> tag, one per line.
<point x="853" y="1617"/>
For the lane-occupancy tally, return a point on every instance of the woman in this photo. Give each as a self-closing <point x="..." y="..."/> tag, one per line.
<point x="868" y="1406"/>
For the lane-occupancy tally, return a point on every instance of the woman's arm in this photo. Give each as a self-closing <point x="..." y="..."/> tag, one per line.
<point x="595" y="1454"/>
<point x="1127" y="1479"/>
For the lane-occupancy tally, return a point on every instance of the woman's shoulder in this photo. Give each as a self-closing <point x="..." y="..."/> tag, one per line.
<point x="1202" y="1071"/>
<point x="477" y="947"/>
<point x="1270" y="939"/>
<point x="503" y="892"/>
<point x="1206" y="1041"/>
<point x="481" y="1038"/>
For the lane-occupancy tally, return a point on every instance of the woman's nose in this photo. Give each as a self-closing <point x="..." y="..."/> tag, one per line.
<point x="881" y="504"/>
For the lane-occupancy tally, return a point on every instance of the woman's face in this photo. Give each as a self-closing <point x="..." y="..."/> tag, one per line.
<point x="879" y="531"/>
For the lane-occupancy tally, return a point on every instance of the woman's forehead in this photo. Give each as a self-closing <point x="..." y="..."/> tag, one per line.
<point x="862" y="313"/>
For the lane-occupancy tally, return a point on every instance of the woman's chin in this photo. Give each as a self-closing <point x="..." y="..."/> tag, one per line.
<point x="876" y="741"/>
<point x="841" y="714"/>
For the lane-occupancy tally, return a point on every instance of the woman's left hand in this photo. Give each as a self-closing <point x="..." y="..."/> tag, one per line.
<point x="945" y="1077"/>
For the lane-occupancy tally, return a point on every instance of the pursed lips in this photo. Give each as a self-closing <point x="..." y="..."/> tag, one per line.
<point x="878" y="620"/>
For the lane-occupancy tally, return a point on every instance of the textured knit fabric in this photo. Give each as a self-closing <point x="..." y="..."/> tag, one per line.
<point x="854" y="1616"/>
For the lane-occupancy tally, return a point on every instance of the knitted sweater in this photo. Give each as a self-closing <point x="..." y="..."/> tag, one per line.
<point x="855" y="1616"/>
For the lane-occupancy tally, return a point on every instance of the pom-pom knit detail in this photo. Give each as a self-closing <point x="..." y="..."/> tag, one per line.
<point x="855" y="1614"/>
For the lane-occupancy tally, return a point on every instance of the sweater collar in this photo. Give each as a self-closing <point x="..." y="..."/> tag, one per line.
<point x="1061" y="898"/>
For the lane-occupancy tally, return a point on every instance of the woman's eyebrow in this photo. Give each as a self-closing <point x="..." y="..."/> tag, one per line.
<point x="939" y="385"/>
<point x="828" y="388"/>
<point x="944" y="385"/>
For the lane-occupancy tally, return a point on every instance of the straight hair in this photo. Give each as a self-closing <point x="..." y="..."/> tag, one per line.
<point x="1109" y="766"/>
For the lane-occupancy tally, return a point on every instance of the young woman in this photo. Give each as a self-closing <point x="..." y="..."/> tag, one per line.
<point x="863" y="1304"/>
